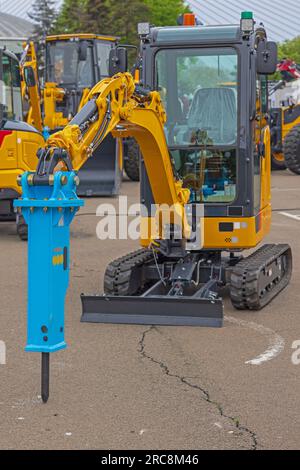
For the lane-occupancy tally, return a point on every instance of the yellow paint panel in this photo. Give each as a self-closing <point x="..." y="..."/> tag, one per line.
<point x="9" y="151"/>
<point x="57" y="260"/>
<point x="247" y="233"/>
<point x="65" y="37"/>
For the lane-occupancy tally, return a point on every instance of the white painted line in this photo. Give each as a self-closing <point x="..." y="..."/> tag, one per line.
<point x="286" y="189"/>
<point x="275" y="341"/>
<point x="219" y="425"/>
<point x="292" y="216"/>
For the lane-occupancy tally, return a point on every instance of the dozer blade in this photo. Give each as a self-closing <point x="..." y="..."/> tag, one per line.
<point x="152" y="310"/>
<point x="101" y="175"/>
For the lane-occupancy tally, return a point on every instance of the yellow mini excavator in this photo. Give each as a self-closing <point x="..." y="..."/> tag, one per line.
<point x="19" y="141"/>
<point x="199" y="117"/>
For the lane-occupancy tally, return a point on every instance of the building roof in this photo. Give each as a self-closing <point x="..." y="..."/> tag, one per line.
<point x="20" y="8"/>
<point x="281" y="18"/>
<point x="13" y="27"/>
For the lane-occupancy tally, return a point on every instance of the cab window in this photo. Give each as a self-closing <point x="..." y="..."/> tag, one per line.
<point x="103" y="50"/>
<point x="198" y="87"/>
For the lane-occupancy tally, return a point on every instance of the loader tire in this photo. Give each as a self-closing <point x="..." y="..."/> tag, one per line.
<point x="278" y="162"/>
<point x="291" y="150"/>
<point x="22" y="228"/>
<point x="132" y="162"/>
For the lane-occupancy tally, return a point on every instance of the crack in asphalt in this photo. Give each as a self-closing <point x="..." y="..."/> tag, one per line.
<point x="205" y="394"/>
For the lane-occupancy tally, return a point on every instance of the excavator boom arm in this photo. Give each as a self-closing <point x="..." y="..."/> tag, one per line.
<point x="30" y="85"/>
<point x="116" y="105"/>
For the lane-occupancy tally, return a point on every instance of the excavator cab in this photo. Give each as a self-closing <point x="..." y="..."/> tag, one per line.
<point x="19" y="141"/>
<point x="214" y="95"/>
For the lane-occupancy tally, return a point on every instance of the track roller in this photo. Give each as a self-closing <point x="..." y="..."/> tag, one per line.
<point x="257" y="279"/>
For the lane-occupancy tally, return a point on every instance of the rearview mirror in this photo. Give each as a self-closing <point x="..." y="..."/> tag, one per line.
<point x="29" y="76"/>
<point x="82" y="51"/>
<point x="118" y="61"/>
<point x="266" y="57"/>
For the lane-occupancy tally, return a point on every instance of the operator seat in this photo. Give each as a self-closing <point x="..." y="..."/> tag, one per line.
<point x="215" y="110"/>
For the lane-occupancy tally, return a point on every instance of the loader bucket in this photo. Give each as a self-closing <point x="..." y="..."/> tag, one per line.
<point x="101" y="175"/>
<point x="152" y="310"/>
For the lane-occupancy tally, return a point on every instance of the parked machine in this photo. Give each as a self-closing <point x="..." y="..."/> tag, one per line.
<point x="285" y="118"/>
<point x="73" y="65"/>
<point x="205" y="187"/>
<point x="19" y="141"/>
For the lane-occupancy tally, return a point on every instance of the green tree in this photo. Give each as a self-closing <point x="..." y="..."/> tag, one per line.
<point x="71" y="17"/>
<point x="114" y="17"/>
<point x="166" y="13"/>
<point x="125" y="17"/>
<point x="290" y="49"/>
<point x="44" y="15"/>
<point x="99" y="16"/>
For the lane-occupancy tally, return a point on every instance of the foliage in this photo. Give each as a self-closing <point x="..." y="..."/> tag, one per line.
<point x="71" y="17"/>
<point x="290" y="49"/>
<point x="44" y="15"/>
<point x="114" y="17"/>
<point x="165" y="13"/>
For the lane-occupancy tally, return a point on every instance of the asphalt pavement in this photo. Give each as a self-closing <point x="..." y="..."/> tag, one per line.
<point x="147" y="387"/>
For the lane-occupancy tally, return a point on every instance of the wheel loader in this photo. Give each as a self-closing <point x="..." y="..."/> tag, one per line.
<point x="199" y="115"/>
<point x="79" y="62"/>
<point x="19" y="141"/>
<point x="74" y="63"/>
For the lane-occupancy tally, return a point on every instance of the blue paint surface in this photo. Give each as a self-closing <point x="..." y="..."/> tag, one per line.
<point x="48" y="211"/>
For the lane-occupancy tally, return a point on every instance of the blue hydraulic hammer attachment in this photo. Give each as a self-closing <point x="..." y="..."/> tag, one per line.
<point x="48" y="205"/>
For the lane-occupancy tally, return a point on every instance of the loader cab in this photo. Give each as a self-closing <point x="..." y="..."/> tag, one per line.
<point x="212" y="82"/>
<point x="74" y="64"/>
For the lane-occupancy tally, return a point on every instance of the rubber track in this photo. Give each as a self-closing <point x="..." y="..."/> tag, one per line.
<point x="291" y="150"/>
<point x="118" y="272"/>
<point x="245" y="277"/>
